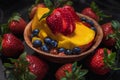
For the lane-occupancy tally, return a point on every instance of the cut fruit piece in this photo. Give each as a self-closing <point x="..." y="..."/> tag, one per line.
<point x="39" y="13"/>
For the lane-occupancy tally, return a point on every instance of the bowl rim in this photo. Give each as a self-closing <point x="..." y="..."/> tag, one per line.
<point x="88" y="51"/>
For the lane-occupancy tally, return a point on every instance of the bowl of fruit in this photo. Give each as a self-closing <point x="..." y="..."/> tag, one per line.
<point x="63" y="35"/>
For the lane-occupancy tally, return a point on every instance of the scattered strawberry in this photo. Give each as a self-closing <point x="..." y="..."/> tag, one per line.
<point x="89" y="12"/>
<point x="37" y="66"/>
<point x="34" y="8"/>
<point x="94" y="12"/>
<point x="70" y="71"/>
<point x="27" y="67"/>
<point x="111" y="32"/>
<point x="17" y="24"/>
<point x="102" y="61"/>
<point x="11" y="45"/>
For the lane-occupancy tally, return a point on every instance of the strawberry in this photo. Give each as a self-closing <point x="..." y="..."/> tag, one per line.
<point x="29" y="66"/>
<point x="102" y="61"/>
<point x="62" y="20"/>
<point x="17" y="24"/>
<point x="38" y="67"/>
<point x="94" y="12"/>
<point x="70" y="71"/>
<point x="34" y="8"/>
<point x="111" y="35"/>
<point x="11" y="45"/>
<point x="89" y="12"/>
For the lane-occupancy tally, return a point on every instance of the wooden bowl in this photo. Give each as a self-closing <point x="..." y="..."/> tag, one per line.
<point x="67" y="58"/>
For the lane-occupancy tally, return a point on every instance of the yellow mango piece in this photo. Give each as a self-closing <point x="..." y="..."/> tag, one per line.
<point x="39" y="13"/>
<point x="81" y="36"/>
<point x="35" y="38"/>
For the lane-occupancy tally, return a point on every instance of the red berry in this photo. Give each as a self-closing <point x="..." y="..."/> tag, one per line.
<point x="107" y="30"/>
<point x="11" y="45"/>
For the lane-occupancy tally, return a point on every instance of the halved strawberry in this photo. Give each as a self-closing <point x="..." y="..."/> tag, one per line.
<point x="62" y="20"/>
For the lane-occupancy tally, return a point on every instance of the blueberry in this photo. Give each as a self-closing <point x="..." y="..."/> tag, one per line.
<point x="47" y="40"/>
<point x="83" y="18"/>
<point x="31" y="36"/>
<point x="93" y="28"/>
<point x="76" y="50"/>
<point x="54" y="43"/>
<point x="90" y="22"/>
<point x="45" y="48"/>
<point x="37" y="43"/>
<point x="61" y="50"/>
<point x="35" y="32"/>
<point x="68" y="52"/>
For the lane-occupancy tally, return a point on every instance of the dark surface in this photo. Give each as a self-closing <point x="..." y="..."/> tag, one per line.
<point x="111" y="7"/>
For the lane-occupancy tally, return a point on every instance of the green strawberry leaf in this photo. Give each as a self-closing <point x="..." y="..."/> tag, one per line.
<point x="4" y="29"/>
<point x="116" y="35"/>
<point x="99" y="12"/>
<point x="82" y="73"/>
<point x="74" y="65"/>
<point x="64" y="78"/>
<point x="23" y="55"/>
<point x="15" y="16"/>
<point x="0" y="42"/>
<point x="45" y="15"/>
<point x="76" y="74"/>
<point x="49" y="4"/>
<point x="37" y="1"/>
<point x="60" y="3"/>
<point x="8" y="65"/>
<point x="115" y="25"/>
<point x="18" y="69"/>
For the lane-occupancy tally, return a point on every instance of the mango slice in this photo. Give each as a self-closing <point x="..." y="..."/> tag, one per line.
<point x="35" y="22"/>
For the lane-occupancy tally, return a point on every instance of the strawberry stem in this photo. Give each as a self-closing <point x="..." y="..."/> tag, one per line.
<point x="116" y="34"/>
<point x="99" y="12"/>
<point x="76" y="74"/>
<point x="18" y="69"/>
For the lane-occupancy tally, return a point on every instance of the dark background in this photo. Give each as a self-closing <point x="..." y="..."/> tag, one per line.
<point x="110" y="7"/>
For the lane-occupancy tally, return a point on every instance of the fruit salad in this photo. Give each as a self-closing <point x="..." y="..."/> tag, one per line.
<point x="62" y="32"/>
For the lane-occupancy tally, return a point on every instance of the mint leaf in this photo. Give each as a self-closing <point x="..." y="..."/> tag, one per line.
<point x="45" y="15"/>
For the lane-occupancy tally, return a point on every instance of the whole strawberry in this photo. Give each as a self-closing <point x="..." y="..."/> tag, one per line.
<point x="111" y="31"/>
<point x="102" y="61"/>
<point x="37" y="66"/>
<point x="29" y="66"/>
<point x="11" y="45"/>
<point x="17" y="24"/>
<point x="94" y="12"/>
<point x="70" y="71"/>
